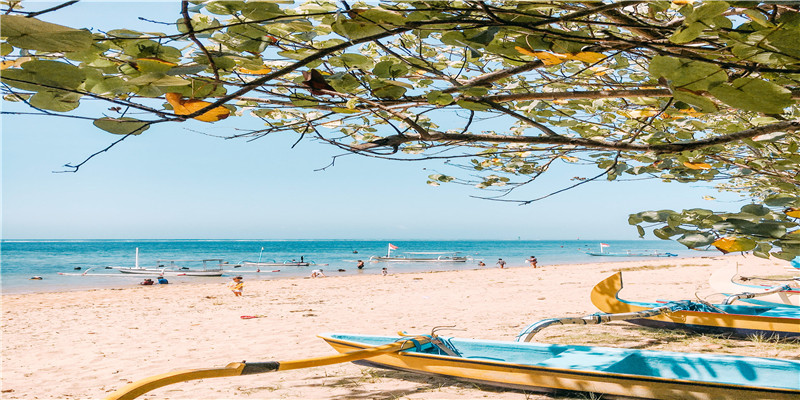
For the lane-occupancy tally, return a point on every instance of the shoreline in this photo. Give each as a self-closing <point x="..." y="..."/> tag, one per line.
<point x="331" y="271"/>
<point x="86" y="344"/>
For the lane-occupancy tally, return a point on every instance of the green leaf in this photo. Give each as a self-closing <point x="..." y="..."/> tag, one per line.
<point x="44" y="75"/>
<point x="387" y="89"/>
<point x="33" y="34"/>
<point x="353" y="60"/>
<point x="56" y="100"/>
<point x="755" y="209"/>
<point x="471" y="105"/>
<point x="754" y="94"/>
<point x="438" y="98"/>
<point x="709" y="10"/>
<point x="687" y="74"/>
<point x="303" y="100"/>
<point x="686" y="34"/>
<point x="704" y="104"/>
<point x="696" y="239"/>
<point x="5" y="49"/>
<point x="122" y="126"/>
<point x="780" y="200"/>
<point x="390" y="70"/>
<point x="158" y="79"/>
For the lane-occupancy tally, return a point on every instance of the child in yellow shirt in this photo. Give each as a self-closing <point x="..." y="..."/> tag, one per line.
<point x="237" y="286"/>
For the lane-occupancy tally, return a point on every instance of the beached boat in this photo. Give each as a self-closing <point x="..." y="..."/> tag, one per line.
<point x="210" y="267"/>
<point x="612" y="371"/>
<point x="684" y="314"/>
<point x="539" y="367"/>
<point x="724" y="281"/>
<point x="174" y="267"/>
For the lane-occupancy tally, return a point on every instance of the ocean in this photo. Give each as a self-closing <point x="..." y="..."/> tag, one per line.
<point x="22" y="259"/>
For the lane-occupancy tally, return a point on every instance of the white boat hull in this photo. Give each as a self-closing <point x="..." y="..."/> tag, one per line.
<point x="169" y="272"/>
<point x="403" y="259"/>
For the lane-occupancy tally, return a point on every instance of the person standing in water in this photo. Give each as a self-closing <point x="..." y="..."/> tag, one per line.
<point x="501" y="263"/>
<point x="360" y="264"/>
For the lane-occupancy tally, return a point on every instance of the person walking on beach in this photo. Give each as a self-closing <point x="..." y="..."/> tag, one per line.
<point x="532" y="261"/>
<point x="237" y="286"/>
<point x="501" y="263"/>
<point x="384" y="271"/>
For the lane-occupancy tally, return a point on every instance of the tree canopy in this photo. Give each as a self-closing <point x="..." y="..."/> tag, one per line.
<point x="679" y="91"/>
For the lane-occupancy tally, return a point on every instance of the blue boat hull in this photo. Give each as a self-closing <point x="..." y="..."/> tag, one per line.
<point x="612" y="371"/>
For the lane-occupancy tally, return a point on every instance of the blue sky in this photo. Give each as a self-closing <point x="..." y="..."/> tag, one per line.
<point x="177" y="181"/>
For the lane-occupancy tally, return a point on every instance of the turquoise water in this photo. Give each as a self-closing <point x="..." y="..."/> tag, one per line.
<point x="22" y="259"/>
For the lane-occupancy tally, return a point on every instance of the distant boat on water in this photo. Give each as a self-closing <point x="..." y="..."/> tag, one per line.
<point x="420" y="256"/>
<point x="629" y="253"/>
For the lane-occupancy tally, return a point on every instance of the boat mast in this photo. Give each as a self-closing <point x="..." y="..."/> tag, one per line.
<point x="137" y="257"/>
<point x="259" y="255"/>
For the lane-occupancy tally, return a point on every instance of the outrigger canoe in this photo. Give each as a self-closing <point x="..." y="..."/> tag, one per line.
<point x="612" y="371"/>
<point x="536" y="367"/>
<point x="722" y="280"/>
<point x="694" y="315"/>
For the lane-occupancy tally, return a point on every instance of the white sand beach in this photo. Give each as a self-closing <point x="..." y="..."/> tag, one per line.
<point x="87" y="344"/>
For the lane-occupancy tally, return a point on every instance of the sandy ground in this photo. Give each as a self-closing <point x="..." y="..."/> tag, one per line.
<point x="88" y="344"/>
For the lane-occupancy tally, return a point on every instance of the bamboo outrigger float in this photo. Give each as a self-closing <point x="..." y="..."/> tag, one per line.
<point x="537" y="367"/>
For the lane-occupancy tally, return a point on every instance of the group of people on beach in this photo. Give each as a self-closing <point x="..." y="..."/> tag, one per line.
<point x="161" y="281"/>
<point x="532" y="261"/>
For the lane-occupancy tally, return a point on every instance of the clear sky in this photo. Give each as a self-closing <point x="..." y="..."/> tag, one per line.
<point x="179" y="181"/>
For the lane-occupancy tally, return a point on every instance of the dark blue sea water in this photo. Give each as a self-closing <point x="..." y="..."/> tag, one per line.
<point x="22" y="259"/>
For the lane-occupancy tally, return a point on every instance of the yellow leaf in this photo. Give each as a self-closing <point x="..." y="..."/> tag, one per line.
<point x="557" y="101"/>
<point x="792" y="212"/>
<point x="709" y="198"/>
<point x="525" y="51"/>
<point x="641" y="113"/>
<point x="550" y="58"/>
<point x="263" y="71"/>
<point x="731" y="244"/>
<point x="14" y="63"/>
<point x="691" y="165"/>
<point x="600" y="71"/>
<point x="586" y="56"/>
<point x="186" y="107"/>
<point x="569" y="159"/>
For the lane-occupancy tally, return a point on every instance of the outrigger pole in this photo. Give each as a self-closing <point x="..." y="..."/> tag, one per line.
<point x="600" y="318"/>
<point x="138" y="388"/>
<point x="749" y="295"/>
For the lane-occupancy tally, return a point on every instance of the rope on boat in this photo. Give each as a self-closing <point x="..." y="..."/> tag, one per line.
<point x="750" y="295"/>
